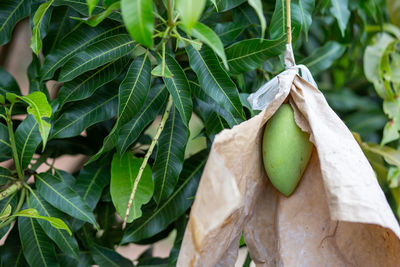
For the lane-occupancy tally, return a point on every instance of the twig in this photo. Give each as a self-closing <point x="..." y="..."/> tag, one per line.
<point x="146" y="158"/>
<point x="288" y="23"/>
<point x="11" y="190"/>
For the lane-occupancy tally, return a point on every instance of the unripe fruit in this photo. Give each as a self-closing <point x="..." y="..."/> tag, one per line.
<point x="286" y="150"/>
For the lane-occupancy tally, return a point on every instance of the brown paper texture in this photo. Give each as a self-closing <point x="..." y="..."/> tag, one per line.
<point x="337" y="216"/>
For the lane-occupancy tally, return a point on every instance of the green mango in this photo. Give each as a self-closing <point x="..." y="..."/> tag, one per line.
<point x="286" y="150"/>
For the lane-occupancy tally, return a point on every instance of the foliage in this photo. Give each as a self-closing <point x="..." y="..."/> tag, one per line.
<point x="136" y="79"/>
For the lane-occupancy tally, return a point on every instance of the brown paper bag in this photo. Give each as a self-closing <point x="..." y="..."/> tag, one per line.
<point x="337" y="216"/>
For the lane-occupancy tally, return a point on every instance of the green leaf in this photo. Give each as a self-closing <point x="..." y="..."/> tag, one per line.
<point x="277" y="27"/>
<point x="139" y="20"/>
<point x="393" y="8"/>
<point x="228" y="31"/>
<point x="106" y="257"/>
<point x="213" y="122"/>
<point x="91" y="5"/>
<point x="153" y="220"/>
<point x="179" y="88"/>
<point x="209" y="37"/>
<point x="33" y="213"/>
<point x="372" y="61"/>
<point x="132" y="94"/>
<point x="60" y="232"/>
<point x="5" y="146"/>
<point x="74" y="42"/>
<point x="63" y="197"/>
<point x="90" y="183"/>
<point x="340" y="10"/>
<point x="96" y="55"/>
<point x="40" y="109"/>
<point x="124" y="172"/>
<point x="11" y="253"/>
<point x="7" y="83"/>
<point x="159" y="71"/>
<point x="170" y="156"/>
<point x="190" y="11"/>
<point x="250" y="54"/>
<point x="132" y="130"/>
<point x="27" y="138"/>
<point x="134" y="89"/>
<point x="60" y="24"/>
<point x="12" y="11"/>
<point x="37" y="247"/>
<point x="96" y="19"/>
<point x="215" y="82"/>
<point x="225" y="5"/>
<point x="323" y="57"/>
<point x="391" y="155"/>
<point x="306" y="9"/>
<point x="35" y="85"/>
<point x="257" y="5"/>
<point x="86" y="84"/>
<point x="5" y="176"/>
<point x="5" y="213"/>
<point x="36" y="42"/>
<point x="82" y="8"/>
<point x="82" y="114"/>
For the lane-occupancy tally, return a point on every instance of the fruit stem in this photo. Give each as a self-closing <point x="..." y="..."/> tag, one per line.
<point x="288" y="23"/>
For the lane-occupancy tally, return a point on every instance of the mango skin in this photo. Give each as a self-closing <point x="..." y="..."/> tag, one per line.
<point x="286" y="150"/>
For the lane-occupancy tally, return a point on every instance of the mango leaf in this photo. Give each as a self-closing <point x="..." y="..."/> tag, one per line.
<point x="12" y="11"/>
<point x="90" y="183"/>
<point x="139" y="20"/>
<point x="277" y="27"/>
<point x="81" y="7"/>
<point x="5" y="177"/>
<point x="36" y="41"/>
<point x="213" y="122"/>
<point x="5" y="213"/>
<point x="190" y="11"/>
<point x="60" y="235"/>
<point x="162" y="71"/>
<point x="391" y="155"/>
<point x="340" y="10"/>
<point x="393" y="8"/>
<point x="40" y="108"/>
<point x="106" y="257"/>
<point x="11" y="252"/>
<point x="63" y="197"/>
<point x="257" y="5"/>
<point x="84" y="260"/>
<point x="179" y="88"/>
<point x="132" y="94"/>
<point x="33" y="213"/>
<point x="96" y="19"/>
<point x="96" y="55"/>
<point x="73" y="43"/>
<point x="7" y="83"/>
<point x="27" y="138"/>
<point x="5" y="146"/>
<point x="170" y="156"/>
<point x="91" y="5"/>
<point x="86" y="84"/>
<point x="82" y="114"/>
<point x="249" y="54"/>
<point x="134" y="89"/>
<point x="209" y="37"/>
<point x="59" y="25"/>
<point x="153" y="220"/>
<point x="35" y="84"/>
<point x="214" y="80"/>
<point x="124" y="172"/>
<point x="225" y="5"/>
<point x="323" y="57"/>
<point x="37" y="246"/>
<point x="228" y="31"/>
<point x="132" y="130"/>
<point x="306" y="10"/>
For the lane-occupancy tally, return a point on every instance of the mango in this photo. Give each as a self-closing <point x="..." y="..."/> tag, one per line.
<point x="286" y="150"/>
